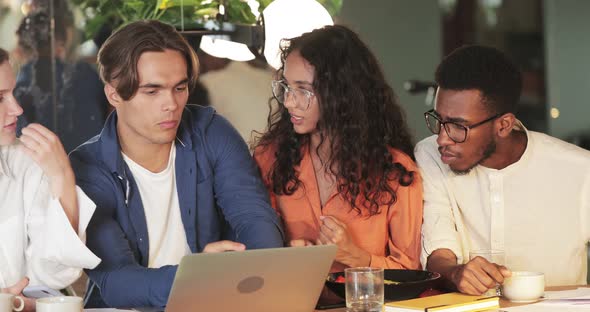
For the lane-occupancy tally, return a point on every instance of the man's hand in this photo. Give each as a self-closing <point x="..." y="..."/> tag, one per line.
<point x="474" y="278"/>
<point x="478" y="275"/>
<point x="333" y="231"/>
<point x="224" y="245"/>
<point x="300" y="243"/>
<point x="17" y="290"/>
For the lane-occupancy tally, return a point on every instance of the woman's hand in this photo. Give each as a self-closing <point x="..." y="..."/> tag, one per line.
<point x="333" y="231"/>
<point x="45" y="148"/>
<point x="17" y="290"/>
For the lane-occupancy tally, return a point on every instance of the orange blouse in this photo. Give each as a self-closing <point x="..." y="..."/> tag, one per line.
<point x="392" y="237"/>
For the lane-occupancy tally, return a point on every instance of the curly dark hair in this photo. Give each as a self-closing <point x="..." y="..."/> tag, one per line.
<point x="359" y="114"/>
<point x="485" y="69"/>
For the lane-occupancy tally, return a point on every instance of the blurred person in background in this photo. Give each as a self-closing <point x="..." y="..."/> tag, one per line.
<point x="81" y="103"/>
<point x="239" y="91"/>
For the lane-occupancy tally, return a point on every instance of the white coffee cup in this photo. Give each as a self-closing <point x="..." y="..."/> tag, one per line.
<point x="7" y="303"/>
<point x="60" y="304"/>
<point x="524" y="286"/>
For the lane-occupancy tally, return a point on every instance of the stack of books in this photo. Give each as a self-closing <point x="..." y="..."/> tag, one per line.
<point x="451" y="302"/>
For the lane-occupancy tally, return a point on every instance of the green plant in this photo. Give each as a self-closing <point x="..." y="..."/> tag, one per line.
<point x="332" y="6"/>
<point x="189" y="14"/>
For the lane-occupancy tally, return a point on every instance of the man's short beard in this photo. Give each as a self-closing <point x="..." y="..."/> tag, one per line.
<point x="489" y="150"/>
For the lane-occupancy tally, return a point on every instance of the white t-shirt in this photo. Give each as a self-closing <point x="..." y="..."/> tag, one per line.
<point x="537" y="210"/>
<point x="167" y="238"/>
<point x="36" y="237"/>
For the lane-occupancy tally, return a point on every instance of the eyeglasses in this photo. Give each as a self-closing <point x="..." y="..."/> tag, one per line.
<point x="281" y="91"/>
<point x="456" y="132"/>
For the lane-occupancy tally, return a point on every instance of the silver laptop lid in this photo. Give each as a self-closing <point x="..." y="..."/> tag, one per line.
<point x="277" y="279"/>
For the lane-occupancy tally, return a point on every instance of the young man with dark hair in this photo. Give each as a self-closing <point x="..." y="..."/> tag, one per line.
<point x="489" y="183"/>
<point x="168" y="178"/>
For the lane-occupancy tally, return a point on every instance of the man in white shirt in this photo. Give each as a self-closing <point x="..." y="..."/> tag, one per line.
<point x="43" y="215"/>
<point x="491" y="184"/>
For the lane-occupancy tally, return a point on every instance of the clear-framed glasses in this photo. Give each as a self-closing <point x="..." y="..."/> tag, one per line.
<point x="456" y="132"/>
<point x="301" y="97"/>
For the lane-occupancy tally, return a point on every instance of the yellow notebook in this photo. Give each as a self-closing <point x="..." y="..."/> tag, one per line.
<point x="451" y="302"/>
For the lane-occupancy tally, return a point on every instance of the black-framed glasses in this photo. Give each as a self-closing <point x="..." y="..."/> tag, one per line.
<point x="456" y="132"/>
<point x="281" y="91"/>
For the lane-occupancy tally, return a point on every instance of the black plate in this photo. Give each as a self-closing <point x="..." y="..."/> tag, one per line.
<point x="412" y="283"/>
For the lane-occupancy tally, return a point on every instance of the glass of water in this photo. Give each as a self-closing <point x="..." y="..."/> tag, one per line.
<point x="493" y="256"/>
<point x="364" y="289"/>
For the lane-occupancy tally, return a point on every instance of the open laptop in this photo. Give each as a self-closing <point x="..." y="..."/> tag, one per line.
<point x="276" y="279"/>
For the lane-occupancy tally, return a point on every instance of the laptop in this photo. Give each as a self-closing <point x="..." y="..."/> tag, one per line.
<point x="263" y="280"/>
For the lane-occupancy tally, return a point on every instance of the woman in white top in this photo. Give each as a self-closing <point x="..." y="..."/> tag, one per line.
<point x="43" y="215"/>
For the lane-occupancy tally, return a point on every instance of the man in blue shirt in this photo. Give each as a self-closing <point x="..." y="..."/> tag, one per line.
<point x="168" y="178"/>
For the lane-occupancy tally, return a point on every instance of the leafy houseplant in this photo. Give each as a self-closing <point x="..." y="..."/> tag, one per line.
<point x="187" y="14"/>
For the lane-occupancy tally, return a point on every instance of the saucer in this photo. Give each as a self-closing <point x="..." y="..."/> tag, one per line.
<point x="525" y="301"/>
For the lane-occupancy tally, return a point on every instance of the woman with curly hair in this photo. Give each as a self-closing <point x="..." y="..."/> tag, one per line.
<point x="337" y="156"/>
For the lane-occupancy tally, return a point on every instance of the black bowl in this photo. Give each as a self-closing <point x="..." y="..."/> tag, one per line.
<point x="411" y="283"/>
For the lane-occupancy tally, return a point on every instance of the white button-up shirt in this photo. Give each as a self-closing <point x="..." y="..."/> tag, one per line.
<point x="36" y="238"/>
<point x="537" y="210"/>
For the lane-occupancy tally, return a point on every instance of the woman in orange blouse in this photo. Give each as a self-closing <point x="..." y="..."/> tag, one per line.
<point x="337" y="156"/>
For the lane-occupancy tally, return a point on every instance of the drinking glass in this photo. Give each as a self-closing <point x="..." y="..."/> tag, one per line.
<point x="364" y="289"/>
<point x="493" y="256"/>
